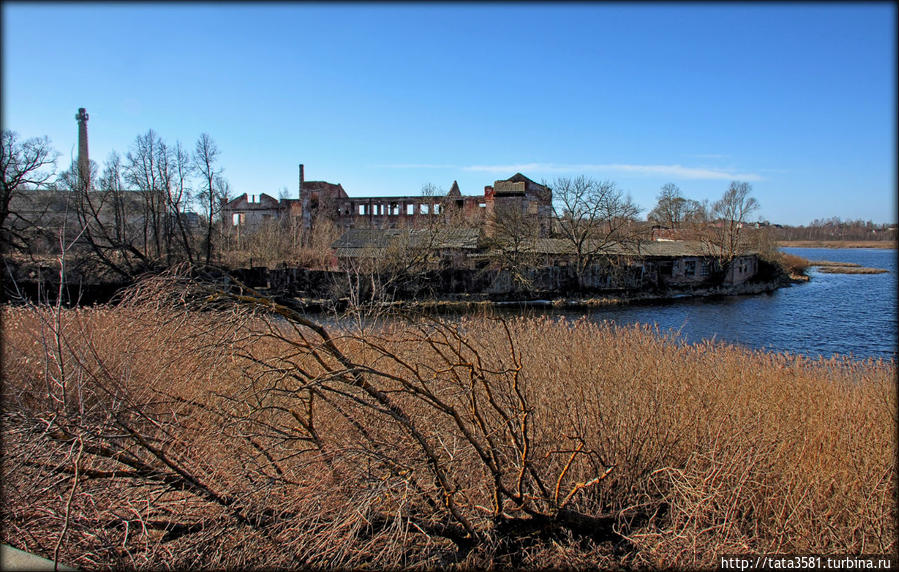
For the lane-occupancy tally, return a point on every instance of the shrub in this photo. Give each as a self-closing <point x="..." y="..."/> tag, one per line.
<point x="793" y="264"/>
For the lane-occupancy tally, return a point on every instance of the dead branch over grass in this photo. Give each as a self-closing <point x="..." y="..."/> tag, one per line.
<point x="189" y="428"/>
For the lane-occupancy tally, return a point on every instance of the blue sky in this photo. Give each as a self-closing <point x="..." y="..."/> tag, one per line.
<point x="797" y="99"/>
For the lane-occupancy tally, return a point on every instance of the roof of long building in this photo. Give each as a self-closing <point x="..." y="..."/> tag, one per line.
<point x="451" y="238"/>
<point x="647" y="248"/>
<point x="357" y="240"/>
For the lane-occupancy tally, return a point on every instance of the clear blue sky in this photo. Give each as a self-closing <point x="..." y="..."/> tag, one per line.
<point x="797" y="99"/>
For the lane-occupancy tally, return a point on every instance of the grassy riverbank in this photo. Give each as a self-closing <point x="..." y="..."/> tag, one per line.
<point x="856" y="269"/>
<point x="885" y="244"/>
<point x="831" y="267"/>
<point x="156" y="436"/>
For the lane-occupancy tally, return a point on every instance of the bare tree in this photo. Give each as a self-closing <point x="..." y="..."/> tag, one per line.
<point x="131" y="230"/>
<point x="673" y="209"/>
<point x="431" y="190"/>
<point x="512" y="236"/>
<point x="28" y="163"/>
<point x="143" y="172"/>
<point x="119" y="228"/>
<point x="179" y="195"/>
<point x="594" y="217"/>
<point x="173" y="170"/>
<point x="105" y="219"/>
<point x="206" y="155"/>
<point x="726" y="236"/>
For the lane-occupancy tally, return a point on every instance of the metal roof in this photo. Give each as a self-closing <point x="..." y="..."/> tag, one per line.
<point x="369" y="242"/>
<point x="455" y="238"/>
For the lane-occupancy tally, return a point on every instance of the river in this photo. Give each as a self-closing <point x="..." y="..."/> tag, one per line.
<point x="845" y="314"/>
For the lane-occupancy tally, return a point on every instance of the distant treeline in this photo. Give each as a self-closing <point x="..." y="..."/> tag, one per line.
<point x="836" y="229"/>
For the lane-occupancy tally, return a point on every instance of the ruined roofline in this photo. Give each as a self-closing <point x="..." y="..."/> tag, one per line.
<point x="259" y="202"/>
<point x="423" y="198"/>
<point x="453" y="193"/>
<point x="519" y="178"/>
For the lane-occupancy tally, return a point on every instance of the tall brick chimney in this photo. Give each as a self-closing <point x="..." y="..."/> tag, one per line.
<point x="301" y="180"/>
<point x="84" y="163"/>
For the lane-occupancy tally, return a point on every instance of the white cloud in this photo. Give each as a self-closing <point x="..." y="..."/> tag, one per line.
<point x="416" y="166"/>
<point x="677" y="171"/>
<point x="673" y="171"/>
<point x="682" y="172"/>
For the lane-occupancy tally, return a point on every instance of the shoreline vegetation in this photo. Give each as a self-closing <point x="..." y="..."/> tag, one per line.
<point x="832" y="267"/>
<point x="840" y="269"/>
<point x="189" y="427"/>
<point x="883" y="244"/>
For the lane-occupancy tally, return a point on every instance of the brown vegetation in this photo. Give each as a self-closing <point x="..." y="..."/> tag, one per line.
<point x="279" y="242"/>
<point x="832" y="267"/>
<point x="832" y="263"/>
<point x="794" y="265"/>
<point x="887" y="244"/>
<point x="851" y="269"/>
<point x="188" y="428"/>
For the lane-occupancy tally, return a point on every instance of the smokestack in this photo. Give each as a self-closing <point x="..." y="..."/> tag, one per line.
<point x="84" y="163"/>
<point x="301" y="179"/>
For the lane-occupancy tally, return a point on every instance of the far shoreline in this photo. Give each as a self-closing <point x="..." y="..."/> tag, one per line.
<point x="882" y="244"/>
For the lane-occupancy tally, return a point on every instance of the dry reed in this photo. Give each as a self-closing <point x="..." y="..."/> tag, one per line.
<point x="832" y="263"/>
<point x="793" y="264"/>
<point x="884" y="244"/>
<point x="850" y="269"/>
<point x="225" y="437"/>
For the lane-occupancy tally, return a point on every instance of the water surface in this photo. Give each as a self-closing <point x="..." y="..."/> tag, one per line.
<point x="846" y="314"/>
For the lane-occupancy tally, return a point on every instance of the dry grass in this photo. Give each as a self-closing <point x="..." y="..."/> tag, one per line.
<point x="831" y="267"/>
<point x="155" y="435"/>
<point x="851" y="269"/>
<point x="887" y="244"/>
<point x="821" y="263"/>
<point x="793" y="264"/>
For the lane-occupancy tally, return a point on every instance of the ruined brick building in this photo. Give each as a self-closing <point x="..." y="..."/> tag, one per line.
<point x="323" y="199"/>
